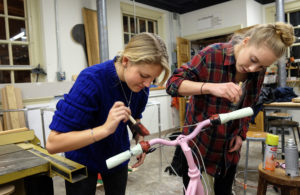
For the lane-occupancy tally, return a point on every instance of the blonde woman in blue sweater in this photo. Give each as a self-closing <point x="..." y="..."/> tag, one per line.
<point x="89" y="124"/>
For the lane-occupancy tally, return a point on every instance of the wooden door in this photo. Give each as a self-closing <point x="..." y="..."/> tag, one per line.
<point x="91" y="35"/>
<point x="183" y="56"/>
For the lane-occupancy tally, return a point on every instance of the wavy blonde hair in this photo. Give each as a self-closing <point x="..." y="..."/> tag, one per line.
<point x="276" y="36"/>
<point x="147" y="48"/>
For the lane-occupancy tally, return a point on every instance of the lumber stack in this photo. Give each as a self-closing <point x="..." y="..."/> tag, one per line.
<point x="12" y="99"/>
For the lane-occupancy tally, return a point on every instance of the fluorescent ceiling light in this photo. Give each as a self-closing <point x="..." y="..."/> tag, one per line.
<point x="21" y="34"/>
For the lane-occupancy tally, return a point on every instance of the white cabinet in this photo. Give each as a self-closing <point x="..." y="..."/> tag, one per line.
<point x="159" y="113"/>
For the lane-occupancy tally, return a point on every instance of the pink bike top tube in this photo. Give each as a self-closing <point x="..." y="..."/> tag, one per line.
<point x="188" y="137"/>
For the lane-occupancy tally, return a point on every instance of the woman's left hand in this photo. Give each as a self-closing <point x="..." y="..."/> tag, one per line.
<point x="140" y="158"/>
<point x="235" y="144"/>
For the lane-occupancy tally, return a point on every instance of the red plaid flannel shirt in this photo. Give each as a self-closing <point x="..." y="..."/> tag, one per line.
<point x="215" y="64"/>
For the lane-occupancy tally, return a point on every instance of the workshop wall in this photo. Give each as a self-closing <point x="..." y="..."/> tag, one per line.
<point x="222" y="15"/>
<point x="69" y="14"/>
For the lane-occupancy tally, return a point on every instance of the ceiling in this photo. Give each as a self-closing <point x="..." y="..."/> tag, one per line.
<point x="184" y="6"/>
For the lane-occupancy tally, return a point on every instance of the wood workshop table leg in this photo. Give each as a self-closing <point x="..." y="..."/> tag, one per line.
<point x="284" y="191"/>
<point x="266" y="124"/>
<point x="294" y="191"/>
<point x="262" y="185"/>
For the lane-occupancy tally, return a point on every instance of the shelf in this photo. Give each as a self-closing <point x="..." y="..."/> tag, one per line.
<point x="292" y="81"/>
<point x="291" y="68"/>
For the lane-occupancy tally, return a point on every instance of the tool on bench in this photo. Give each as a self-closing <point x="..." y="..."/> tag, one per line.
<point x="138" y="127"/>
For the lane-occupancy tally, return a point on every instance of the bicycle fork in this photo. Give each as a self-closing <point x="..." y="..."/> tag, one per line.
<point x="195" y="186"/>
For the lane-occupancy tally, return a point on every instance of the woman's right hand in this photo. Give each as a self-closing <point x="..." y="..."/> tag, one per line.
<point x="119" y="112"/>
<point x="230" y="91"/>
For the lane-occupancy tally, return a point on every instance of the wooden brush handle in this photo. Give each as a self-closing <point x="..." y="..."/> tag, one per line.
<point x="132" y="119"/>
<point x="240" y="85"/>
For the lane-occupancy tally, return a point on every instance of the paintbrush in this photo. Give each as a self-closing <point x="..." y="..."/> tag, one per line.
<point x="138" y="127"/>
<point x="240" y="85"/>
<point x="235" y="105"/>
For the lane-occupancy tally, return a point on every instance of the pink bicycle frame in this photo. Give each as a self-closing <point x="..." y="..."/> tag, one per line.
<point x="195" y="186"/>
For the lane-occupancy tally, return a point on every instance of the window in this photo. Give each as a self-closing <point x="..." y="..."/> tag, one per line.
<point x="292" y="16"/>
<point x="294" y="19"/>
<point x="134" y="25"/>
<point x="14" y="44"/>
<point x="146" y="20"/>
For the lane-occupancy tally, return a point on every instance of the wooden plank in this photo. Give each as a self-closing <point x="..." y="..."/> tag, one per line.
<point x="19" y="101"/>
<point x="12" y="104"/>
<point x="6" y="115"/>
<point x="1" y="123"/>
<point x="16" y="137"/>
<point x="91" y="34"/>
<point x="9" y="148"/>
<point x="12" y="99"/>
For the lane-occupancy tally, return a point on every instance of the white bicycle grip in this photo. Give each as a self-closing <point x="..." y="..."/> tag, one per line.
<point x="122" y="157"/>
<point x="241" y="113"/>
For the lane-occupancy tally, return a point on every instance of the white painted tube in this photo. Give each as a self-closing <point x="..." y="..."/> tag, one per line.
<point x="122" y="157"/>
<point x="241" y="113"/>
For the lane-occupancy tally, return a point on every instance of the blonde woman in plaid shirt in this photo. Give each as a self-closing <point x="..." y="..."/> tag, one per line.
<point x="210" y="79"/>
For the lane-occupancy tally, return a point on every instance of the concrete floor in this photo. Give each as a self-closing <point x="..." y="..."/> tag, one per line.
<point x="150" y="178"/>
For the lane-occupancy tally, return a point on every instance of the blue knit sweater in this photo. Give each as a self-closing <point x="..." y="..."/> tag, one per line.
<point x="87" y="105"/>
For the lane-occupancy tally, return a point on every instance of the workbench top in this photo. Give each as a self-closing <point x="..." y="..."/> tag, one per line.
<point x="17" y="163"/>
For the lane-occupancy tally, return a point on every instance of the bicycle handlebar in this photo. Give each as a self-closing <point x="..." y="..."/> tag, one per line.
<point x="241" y="113"/>
<point x="216" y="119"/>
<point x="122" y="157"/>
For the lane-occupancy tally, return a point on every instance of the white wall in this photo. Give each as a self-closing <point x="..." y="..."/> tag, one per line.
<point x="223" y="15"/>
<point x="71" y="53"/>
<point x="69" y="14"/>
<point x="254" y="12"/>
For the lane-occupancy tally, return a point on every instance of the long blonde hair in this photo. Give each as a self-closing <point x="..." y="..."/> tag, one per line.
<point x="276" y="36"/>
<point x="147" y="48"/>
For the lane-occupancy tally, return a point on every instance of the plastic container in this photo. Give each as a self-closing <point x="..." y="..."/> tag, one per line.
<point x="270" y="152"/>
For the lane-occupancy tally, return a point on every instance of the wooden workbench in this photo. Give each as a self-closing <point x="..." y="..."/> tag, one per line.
<point x="287" y="184"/>
<point x="17" y="163"/>
<point x="283" y="105"/>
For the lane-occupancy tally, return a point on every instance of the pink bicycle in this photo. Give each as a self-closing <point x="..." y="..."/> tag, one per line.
<point x="195" y="186"/>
